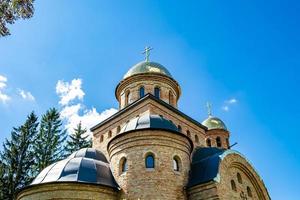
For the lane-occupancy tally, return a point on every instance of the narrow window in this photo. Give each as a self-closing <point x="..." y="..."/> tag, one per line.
<point x="188" y="133"/>
<point x="118" y="129"/>
<point x="233" y="186"/>
<point x="171" y="98"/>
<point x="127" y="95"/>
<point x="142" y="91"/>
<point x="157" y="92"/>
<point x="227" y="143"/>
<point x="101" y="138"/>
<point x="239" y="177"/>
<point x="179" y="128"/>
<point x="149" y="161"/>
<point x="123" y="165"/>
<point x="196" y="139"/>
<point x="176" y="164"/>
<point x="249" y="192"/>
<point x="218" y="141"/>
<point x="208" y="142"/>
<point x="109" y="134"/>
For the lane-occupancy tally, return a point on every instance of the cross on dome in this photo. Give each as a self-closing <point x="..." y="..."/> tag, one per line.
<point x="208" y="105"/>
<point x="147" y="53"/>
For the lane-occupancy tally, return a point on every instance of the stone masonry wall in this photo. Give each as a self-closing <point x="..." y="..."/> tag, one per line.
<point x="162" y="182"/>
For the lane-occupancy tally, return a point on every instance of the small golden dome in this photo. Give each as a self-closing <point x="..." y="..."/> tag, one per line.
<point x="214" y="123"/>
<point x="147" y="67"/>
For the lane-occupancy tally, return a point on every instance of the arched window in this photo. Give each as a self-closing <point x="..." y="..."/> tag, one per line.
<point x="123" y="165"/>
<point x="127" y="95"/>
<point x="179" y="128"/>
<point x="118" y="129"/>
<point x="101" y="138"/>
<point x="239" y="177"/>
<point x="176" y="163"/>
<point x="109" y="134"/>
<point x="142" y="91"/>
<point x="157" y="92"/>
<point x="149" y="161"/>
<point x="249" y="192"/>
<point x="208" y="142"/>
<point x="171" y="97"/>
<point x="196" y="139"/>
<point x="233" y="186"/>
<point x="188" y="133"/>
<point x="218" y="141"/>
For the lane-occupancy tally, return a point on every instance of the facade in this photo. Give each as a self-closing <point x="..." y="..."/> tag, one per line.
<point x="150" y="149"/>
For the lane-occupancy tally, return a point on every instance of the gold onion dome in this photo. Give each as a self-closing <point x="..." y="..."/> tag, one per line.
<point x="214" y="123"/>
<point x="147" y="67"/>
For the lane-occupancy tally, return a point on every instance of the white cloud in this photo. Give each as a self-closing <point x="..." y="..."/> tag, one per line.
<point x="26" y="95"/>
<point x="74" y="112"/>
<point x="69" y="91"/>
<point x="3" y="97"/>
<point x="225" y="108"/>
<point x="231" y="101"/>
<point x="228" y="103"/>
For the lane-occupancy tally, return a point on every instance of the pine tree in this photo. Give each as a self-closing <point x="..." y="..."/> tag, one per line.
<point x="18" y="158"/>
<point x="78" y="140"/>
<point x="49" y="144"/>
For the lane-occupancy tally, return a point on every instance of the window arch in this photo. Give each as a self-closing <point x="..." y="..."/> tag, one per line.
<point x="101" y="138"/>
<point x="176" y="164"/>
<point x="249" y="192"/>
<point x="196" y="139"/>
<point x="218" y="141"/>
<point x="150" y="161"/>
<point x="109" y="134"/>
<point x="188" y="133"/>
<point x="239" y="177"/>
<point x="179" y="128"/>
<point x="127" y="95"/>
<point x="171" y="97"/>
<point x="233" y="186"/>
<point x="208" y="142"/>
<point x="157" y="92"/>
<point x="123" y="165"/>
<point x="142" y="91"/>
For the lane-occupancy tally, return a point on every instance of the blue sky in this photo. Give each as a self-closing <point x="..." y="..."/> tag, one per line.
<point x="217" y="50"/>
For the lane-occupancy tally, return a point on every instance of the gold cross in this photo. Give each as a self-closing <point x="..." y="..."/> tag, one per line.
<point x="147" y="53"/>
<point x="208" y="105"/>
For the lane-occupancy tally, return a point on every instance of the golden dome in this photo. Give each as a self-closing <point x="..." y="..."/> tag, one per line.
<point x="147" y="67"/>
<point x="214" y="123"/>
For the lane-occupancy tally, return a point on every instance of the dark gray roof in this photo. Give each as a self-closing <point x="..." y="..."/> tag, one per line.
<point x="147" y="121"/>
<point x="85" y="165"/>
<point x="89" y="153"/>
<point x="205" y="165"/>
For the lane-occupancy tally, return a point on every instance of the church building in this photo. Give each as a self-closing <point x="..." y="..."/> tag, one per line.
<point x="149" y="150"/>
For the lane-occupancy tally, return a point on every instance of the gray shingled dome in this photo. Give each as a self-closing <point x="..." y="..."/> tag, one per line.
<point x="147" y="121"/>
<point x="86" y="165"/>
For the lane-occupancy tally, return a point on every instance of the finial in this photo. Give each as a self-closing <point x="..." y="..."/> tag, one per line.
<point x="208" y="105"/>
<point x="147" y="53"/>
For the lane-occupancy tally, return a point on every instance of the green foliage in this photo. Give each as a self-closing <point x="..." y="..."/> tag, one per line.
<point x="17" y="158"/>
<point x="48" y="146"/>
<point x="12" y="10"/>
<point x="78" y="140"/>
